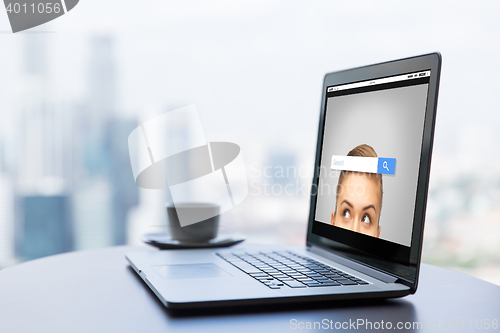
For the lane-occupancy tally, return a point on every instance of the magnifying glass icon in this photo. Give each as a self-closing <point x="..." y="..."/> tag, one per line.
<point x="384" y="165"/>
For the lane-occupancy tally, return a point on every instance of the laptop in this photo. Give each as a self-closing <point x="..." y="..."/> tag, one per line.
<point x="367" y="204"/>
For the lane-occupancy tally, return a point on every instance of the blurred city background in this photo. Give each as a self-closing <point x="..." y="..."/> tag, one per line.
<point x="73" y="89"/>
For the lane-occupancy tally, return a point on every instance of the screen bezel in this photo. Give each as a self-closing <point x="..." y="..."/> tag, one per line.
<point x="407" y="273"/>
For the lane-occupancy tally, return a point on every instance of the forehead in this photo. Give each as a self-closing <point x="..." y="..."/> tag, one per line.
<point x="360" y="189"/>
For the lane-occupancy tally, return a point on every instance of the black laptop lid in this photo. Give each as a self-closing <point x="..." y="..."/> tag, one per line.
<point x="373" y="156"/>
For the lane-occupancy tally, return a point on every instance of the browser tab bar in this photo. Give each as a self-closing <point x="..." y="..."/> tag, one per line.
<point x="411" y="76"/>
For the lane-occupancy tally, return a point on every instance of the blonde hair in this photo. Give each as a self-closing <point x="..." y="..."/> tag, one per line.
<point x="363" y="150"/>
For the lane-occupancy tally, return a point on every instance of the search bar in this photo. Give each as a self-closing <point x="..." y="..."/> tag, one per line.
<point x="382" y="165"/>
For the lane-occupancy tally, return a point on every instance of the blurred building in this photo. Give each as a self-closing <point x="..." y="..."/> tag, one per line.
<point x="283" y="171"/>
<point x="6" y="220"/>
<point x="101" y="91"/>
<point x="44" y="225"/>
<point x="104" y="187"/>
<point x="98" y="109"/>
<point x="92" y="214"/>
<point x="125" y="194"/>
<point x="46" y="229"/>
<point x="7" y="255"/>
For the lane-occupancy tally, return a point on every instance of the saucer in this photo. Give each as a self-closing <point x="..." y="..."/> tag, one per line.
<point x="164" y="241"/>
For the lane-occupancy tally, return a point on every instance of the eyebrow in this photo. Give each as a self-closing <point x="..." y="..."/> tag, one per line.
<point x="368" y="207"/>
<point x="348" y="203"/>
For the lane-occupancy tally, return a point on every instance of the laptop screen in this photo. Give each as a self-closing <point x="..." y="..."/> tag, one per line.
<point x="369" y="163"/>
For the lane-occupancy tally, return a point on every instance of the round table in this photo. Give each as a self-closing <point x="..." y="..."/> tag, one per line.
<point x="96" y="291"/>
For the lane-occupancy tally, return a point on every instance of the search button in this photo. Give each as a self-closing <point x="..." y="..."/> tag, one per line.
<point x="386" y="166"/>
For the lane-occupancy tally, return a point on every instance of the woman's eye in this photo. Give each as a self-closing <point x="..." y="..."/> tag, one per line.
<point x="347" y="213"/>
<point x="366" y="219"/>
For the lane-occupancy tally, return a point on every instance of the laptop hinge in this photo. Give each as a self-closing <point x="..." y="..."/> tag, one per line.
<point x="354" y="265"/>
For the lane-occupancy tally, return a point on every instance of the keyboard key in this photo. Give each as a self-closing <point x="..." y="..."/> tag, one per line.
<point x="322" y="279"/>
<point x="294" y="284"/>
<point x="333" y="276"/>
<point x="227" y="255"/>
<point x="259" y="275"/>
<point x="277" y="276"/>
<point x="285" y="279"/>
<point x="313" y="275"/>
<point x="247" y="268"/>
<point x="267" y="260"/>
<point x="271" y="271"/>
<point x="280" y="267"/>
<point x="235" y="259"/>
<point x="261" y="267"/>
<point x="264" y="278"/>
<point x="246" y="258"/>
<point x="321" y="271"/>
<point x="307" y="281"/>
<point x="331" y="284"/>
<point x="273" y="281"/>
<point x="346" y="282"/>
<point x="298" y="276"/>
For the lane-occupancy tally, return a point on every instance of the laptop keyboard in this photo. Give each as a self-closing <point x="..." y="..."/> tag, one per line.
<point x="279" y="269"/>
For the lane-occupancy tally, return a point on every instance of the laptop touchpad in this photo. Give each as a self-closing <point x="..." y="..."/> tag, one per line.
<point x="190" y="271"/>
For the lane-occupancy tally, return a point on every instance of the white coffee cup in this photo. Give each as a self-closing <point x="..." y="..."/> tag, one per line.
<point x="198" y="232"/>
